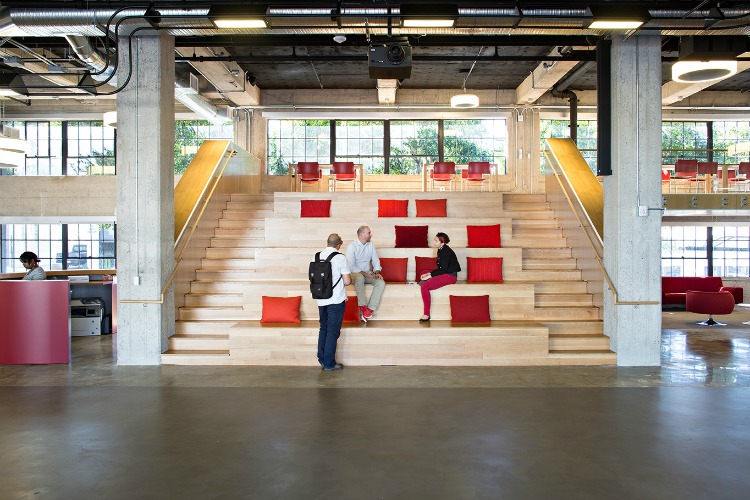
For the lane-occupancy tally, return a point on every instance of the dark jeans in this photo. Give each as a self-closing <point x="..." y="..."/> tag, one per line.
<point x="331" y="317"/>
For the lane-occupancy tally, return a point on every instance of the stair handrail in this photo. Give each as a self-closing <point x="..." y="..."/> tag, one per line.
<point x="584" y="227"/>
<point x="229" y="154"/>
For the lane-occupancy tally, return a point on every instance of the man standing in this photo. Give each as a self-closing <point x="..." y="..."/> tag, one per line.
<point x="332" y="310"/>
<point x="365" y="267"/>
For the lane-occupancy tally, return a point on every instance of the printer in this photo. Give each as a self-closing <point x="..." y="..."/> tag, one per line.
<point x="86" y="317"/>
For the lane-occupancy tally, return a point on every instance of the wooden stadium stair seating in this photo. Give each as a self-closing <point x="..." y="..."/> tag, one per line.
<point x="542" y="313"/>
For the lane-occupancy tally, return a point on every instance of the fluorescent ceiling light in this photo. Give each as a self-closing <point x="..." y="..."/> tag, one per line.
<point x="615" y="25"/>
<point x="240" y="23"/>
<point x="702" y="71"/>
<point x="463" y="101"/>
<point x="428" y="23"/>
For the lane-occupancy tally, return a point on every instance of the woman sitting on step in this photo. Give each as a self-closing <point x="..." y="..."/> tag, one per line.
<point x="445" y="274"/>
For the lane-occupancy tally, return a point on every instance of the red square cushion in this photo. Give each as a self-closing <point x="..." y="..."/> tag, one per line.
<point x="280" y="309"/>
<point x="424" y="265"/>
<point x="432" y="208"/>
<point x="484" y="270"/>
<point x="394" y="270"/>
<point x="393" y="208"/>
<point x="470" y="309"/>
<point x="411" y="236"/>
<point x="483" y="236"/>
<point x="315" y="208"/>
<point x="351" y="314"/>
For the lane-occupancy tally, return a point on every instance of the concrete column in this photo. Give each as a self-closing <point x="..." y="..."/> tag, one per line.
<point x="145" y="198"/>
<point x="632" y="243"/>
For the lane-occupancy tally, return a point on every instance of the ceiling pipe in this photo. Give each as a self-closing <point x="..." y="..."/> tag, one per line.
<point x="573" y="109"/>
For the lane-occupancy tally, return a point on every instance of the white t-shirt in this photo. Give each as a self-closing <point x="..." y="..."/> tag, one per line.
<point x="338" y="267"/>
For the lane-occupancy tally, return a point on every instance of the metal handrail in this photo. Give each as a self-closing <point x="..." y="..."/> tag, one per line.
<point x="599" y="261"/>
<point x="166" y="286"/>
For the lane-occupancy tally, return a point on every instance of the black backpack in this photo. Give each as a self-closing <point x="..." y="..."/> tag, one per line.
<point x="321" y="277"/>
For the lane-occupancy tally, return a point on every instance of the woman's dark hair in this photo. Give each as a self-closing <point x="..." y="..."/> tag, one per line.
<point x="443" y="237"/>
<point x="28" y="257"/>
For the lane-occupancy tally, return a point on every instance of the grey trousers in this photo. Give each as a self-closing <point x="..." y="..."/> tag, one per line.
<point x="378" y="285"/>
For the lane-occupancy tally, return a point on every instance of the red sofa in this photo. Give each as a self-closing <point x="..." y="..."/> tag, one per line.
<point x="673" y="288"/>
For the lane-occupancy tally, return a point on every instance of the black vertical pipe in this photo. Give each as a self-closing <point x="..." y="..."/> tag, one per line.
<point x="386" y="145"/>
<point x="332" y="135"/>
<point x="604" y="107"/>
<point x="710" y="141"/>
<point x="441" y="141"/>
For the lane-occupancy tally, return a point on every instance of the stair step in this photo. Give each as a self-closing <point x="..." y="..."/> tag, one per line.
<point x="560" y="328"/>
<point x="203" y="327"/>
<point x="213" y="357"/>
<point x="212" y="264"/>
<point x="247" y="214"/>
<point x="563" y="299"/>
<point x="214" y="299"/>
<point x="582" y="358"/>
<point x="258" y="224"/>
<point x="227" y="242"/>
<point x="224" y="274"/>
<point x="549" y="264"/>
<point x="524" y="198"/>
<point x="547" y="253"/>
<point x="241" y="232"/>
<point x="550" y="275"/>
<point x="578" y="343"/>
<point x="527" y="207"/>
<point x="198" y="342"/>
<point x="536" y="242"/>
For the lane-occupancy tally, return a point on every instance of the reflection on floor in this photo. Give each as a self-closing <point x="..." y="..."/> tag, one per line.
<point x="691" y="355"/>
<point x="96" y="430"/>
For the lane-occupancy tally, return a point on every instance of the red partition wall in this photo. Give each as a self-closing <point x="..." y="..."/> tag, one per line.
<point x="34" y="322"/>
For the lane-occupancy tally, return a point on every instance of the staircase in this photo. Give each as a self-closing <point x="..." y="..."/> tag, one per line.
<point x="542" y="313"/>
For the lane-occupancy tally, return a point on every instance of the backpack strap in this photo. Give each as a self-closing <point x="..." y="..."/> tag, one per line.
<point x="328" y="259"/>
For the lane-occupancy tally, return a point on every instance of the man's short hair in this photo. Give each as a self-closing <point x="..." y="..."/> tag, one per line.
<point x="334" y="240"/>
<point x="362" y="229"/>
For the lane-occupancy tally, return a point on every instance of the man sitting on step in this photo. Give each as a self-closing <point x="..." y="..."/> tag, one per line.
<point x="364" y="265"/>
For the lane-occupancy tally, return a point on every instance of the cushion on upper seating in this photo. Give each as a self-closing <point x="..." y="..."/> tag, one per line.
<point x="393" y="208"/>
<point x="351" y="313"/>
<point x="315" y="208"/>
<point x="280" y="309"/>
<point x="424" y="264"/>
<point x="484" y="269"/>
<point x="394" y="269"/>
<point x="483" y="236"/>
<point x="411" y="236"/>
<point x="470" y="308"/>
<point x="432" y="208"/>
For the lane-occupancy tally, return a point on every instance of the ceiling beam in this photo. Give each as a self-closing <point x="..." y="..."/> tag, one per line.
<point x="227" y="76"/>
<point x="543" y="78"/>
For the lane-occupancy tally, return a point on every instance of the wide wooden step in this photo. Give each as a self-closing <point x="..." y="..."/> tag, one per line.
<point x="563" y="299"/>
<point x="578" y="343"/>
<point x="240" y="232"/>
<point x="198" y="342"/>
<point x="549" y="264"/>
<point x="247" y="214"/>
<point x="527" y="207"/>
<point x="258" y="224"/>
<point x="198" y="358"/>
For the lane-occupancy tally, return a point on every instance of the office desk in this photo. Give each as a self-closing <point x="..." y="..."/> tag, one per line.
<point x="427" y="167"/>
<point x="325" y="169"/>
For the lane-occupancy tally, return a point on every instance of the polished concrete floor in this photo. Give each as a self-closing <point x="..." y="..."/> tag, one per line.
<point x="93" y="429"/>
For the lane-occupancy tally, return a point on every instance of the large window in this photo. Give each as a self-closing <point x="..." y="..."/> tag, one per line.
<point x="66" y="148"/>
<point x="705" y="251"/>
<point x="726" y="134"/>
<point x="684" y="140"/>
<point x="361" y="142"/>
<point x="476" y="140"/>
<point x="91" y="149"/>
<point x="585" y="140"/>
<point x="386" y="146"/>
<point x="413" y="143"/>
<point x="58" y="246"/>
<point x="190" y="134"/>
<point x="291" y="141"/>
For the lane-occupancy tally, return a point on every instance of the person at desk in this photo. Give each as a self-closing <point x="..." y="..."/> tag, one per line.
<point x="31" y="263"/>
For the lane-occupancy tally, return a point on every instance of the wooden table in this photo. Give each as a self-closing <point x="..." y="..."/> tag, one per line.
<point x="295" y="185"/>
<point x="429" y="166"/>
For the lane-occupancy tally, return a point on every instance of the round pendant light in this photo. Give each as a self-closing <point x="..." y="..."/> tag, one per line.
<point x="464" y="101"/>
<point x="702" y="71"/>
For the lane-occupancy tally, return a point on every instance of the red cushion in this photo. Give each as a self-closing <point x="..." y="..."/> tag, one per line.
<point x="483" y="236"/>
<point x="315" y="208"/>
<point x="280" y="309"/>
<point x="484" y="270"/>
<point x="411" y="236"/>
<point x="393" y="208"/>
<point x="424" y="265"/>
<point x="394" y="270"/>
<point x="432" y="208"/>
<point x="351" y="314"/>
<point x="470" y="309"/>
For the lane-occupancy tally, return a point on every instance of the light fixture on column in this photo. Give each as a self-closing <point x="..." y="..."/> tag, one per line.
<point x="702" y="71"/>
<point x="110" y="119"/>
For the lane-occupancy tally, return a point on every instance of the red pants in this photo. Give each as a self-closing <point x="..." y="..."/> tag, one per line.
<point x="433" y="284"/>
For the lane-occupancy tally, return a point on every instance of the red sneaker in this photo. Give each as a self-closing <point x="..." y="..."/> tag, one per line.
<point x="363" y="313"/>
<point x="367" y="312"/>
